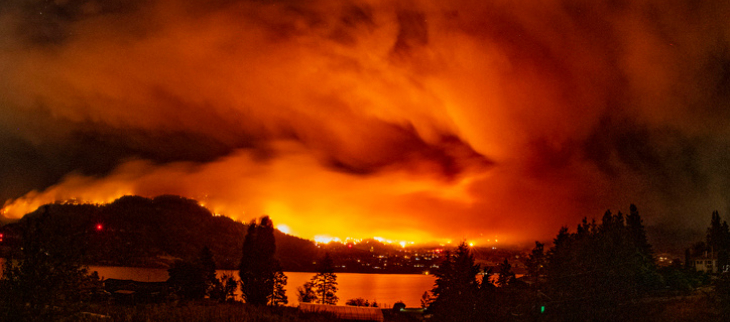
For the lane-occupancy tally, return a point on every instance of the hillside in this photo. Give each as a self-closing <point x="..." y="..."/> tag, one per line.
<point x="137" y="231"/>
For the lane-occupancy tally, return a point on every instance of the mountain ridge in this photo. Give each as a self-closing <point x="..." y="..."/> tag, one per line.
<point x="152" y="232"/>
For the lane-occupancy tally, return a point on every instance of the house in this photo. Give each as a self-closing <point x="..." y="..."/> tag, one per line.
<point x="706" y="263"/>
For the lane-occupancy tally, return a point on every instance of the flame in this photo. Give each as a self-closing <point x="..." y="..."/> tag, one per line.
<point x="283" y="228"/>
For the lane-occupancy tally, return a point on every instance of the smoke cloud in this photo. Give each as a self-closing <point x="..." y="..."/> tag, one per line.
<point x="408" y="120"/>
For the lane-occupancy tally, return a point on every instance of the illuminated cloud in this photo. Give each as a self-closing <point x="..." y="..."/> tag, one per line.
<point x="459" y="119"/>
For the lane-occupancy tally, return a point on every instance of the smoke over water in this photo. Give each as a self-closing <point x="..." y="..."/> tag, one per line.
<point x="409" y="120"/>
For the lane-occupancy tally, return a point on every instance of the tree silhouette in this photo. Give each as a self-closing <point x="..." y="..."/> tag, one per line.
<point x="324" y="283"/>
<point x="718" y="240"/>
<point x="599" y="268"/>
<point x="225" y="289"/>
<point x="195" y="279"/>
<point x="187" y="280"/>
<point x="506" y="275"/>
<point x="208" y="268"/>
<point x="358" y="302"/>
<point x="259" y="269"/>
<point x="638" y="234"/>
<point x="425" y="300"/>
<point x="278" y="296"/>
<point x="456" y="288"/>
<point x="45" y="280"/>
<point x="306" y="293"/>
<point x="536" y="262"/>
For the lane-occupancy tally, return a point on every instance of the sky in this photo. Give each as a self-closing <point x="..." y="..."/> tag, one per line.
<point x="407" y="120"/>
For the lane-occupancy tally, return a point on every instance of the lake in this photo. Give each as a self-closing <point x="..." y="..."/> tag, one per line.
<point x="386" y="289"/>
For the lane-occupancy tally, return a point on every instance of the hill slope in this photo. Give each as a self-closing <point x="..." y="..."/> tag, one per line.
<point x="137" y="231"/>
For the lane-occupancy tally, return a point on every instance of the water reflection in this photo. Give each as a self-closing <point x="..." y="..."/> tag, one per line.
<point x="386" y="289"/>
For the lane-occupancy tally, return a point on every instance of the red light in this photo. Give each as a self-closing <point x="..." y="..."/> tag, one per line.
<point x="99" y="227"/>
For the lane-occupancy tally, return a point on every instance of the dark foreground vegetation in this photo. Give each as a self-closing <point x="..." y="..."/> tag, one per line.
<point x="603" y="271"/>
<point x="195" y="311"/>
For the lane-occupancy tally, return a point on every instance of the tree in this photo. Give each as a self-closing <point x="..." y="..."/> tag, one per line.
<point x="600" y="268"/>
<point x="358" y="302"/>
<point x="506" y="275"/>
<point x="197" y="278"/>
<point x="44" y="278"/>
<point x="637" y="234"/>
<point x="225" y="289"/>
<point x="208" y="268"/>
<point x="278" y="296"/>
<point x="187" y="280"/>
<point x="398" y="306"/>
<point x="260" y="271"/>
<point x="536" y="261"/>
<point x="714" y="232"/>
<point x="324" y="283"/>
<point x="456" y="288"/>
<point x="718" y="240"/>
<point x="306" y="293"/>
<point x="425" y="300"/>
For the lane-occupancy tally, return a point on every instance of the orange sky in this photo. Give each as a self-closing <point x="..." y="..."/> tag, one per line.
<point x="409" y="120"/>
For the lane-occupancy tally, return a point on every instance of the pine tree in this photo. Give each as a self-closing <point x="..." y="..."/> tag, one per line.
<point x="259" y="269"/>
<point x="456" y="288"/>
<point x="723" y="254"/>
<point x="714" y="232"/>
<point x="638" y="234"/>
<point x="208" y="268"/>
<point x="601" y="266"/>
<point x="536" y="261"/>
<point x="278" y="296"/>
<point x="306" y="293"/>
<point x="425" y="300"/>
<point x="718" y="240"/>
<point x="506" y="275"/>
<point x="324" y="283"/>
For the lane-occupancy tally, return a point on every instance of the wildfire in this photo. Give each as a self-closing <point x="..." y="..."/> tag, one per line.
<point x="324" y="239"/>
<point x="284" y="229"/>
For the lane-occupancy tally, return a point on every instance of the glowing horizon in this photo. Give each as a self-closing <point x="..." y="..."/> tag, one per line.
<point x="318" y="237"/>
<point x="425" y="120"/>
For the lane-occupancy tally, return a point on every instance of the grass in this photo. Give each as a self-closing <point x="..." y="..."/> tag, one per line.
<point x="199" y="311"/>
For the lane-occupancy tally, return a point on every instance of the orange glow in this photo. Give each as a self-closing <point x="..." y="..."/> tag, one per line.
<point x="353" y="105"/>
<point x="284" y="229"/>
<point x="343" y="118"/>
<point x="325" y="239"/>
